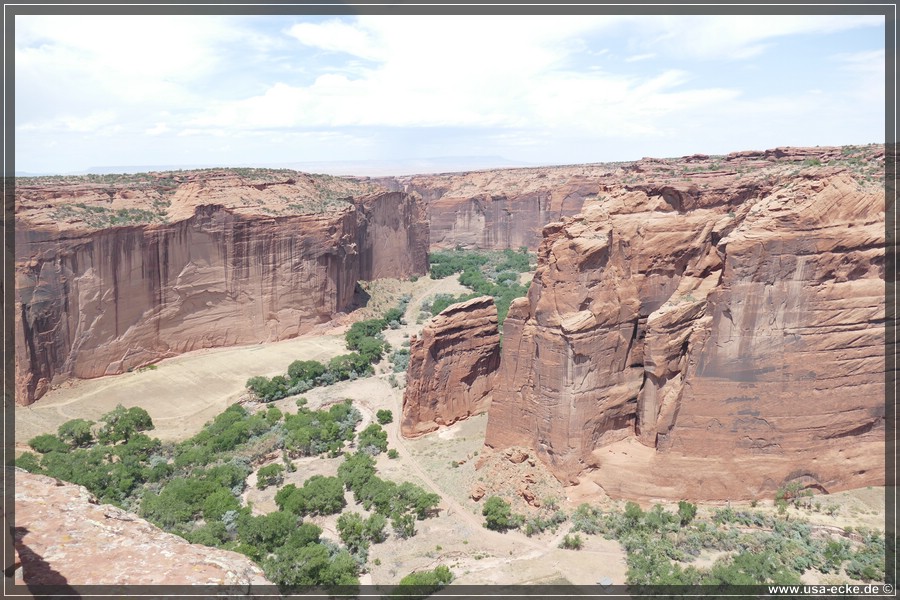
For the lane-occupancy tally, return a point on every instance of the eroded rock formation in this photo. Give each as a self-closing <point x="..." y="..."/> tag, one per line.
<point x="452" y="365"/>
<point x="503" y="208"/>
<point x="63" y="536"/>
<point x="712" y="334"/>
<point x="222" y="262"/>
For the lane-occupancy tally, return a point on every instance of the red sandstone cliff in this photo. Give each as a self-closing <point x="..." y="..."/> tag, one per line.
<point x="452" y="365"/>
<point x="709" y="335"/>
<point x="503" y="208"/>
<point x="64" y="537"/>
<point x="219" y="260"/>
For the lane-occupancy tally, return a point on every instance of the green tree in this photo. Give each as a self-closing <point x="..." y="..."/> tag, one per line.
<point x="686" y="512"/>
<point x="319" y="495"/>
<point x="384" y="416"/>
<point x="269" y="475"/>
<point x="633" y="515"/>
<point x="218" y="503"/>
<point x="421" y="584"/>
<point x="266" y="533"/>
<point x="374" y="528"/>
<point x="76" y="433"/>
<point x="373" y="439"/>
<point x="305" y="370"/>
<point x="47" y="442"/>
<point x="404" y="525"/>
<point x="356" y="470"/>
<point x="121" y="423"/>
<point x="30" y="462"/>
<point x="352" y="529"/>
<point x="497" y="514"/>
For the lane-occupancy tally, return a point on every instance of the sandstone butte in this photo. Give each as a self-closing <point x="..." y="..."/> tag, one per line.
<point x="452" y="365"/>
<point x="115" y="275"/>
<point x="70" y="540"/>
<point x="707" y="333"/>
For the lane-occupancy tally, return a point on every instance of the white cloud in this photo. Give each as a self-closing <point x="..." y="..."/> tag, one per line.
<point x="518" y="81"/>
<point x="158" y="129"/>
<point x="736" y="37"/>
<point x="337" y="36"/>
<point x="464" y="72"/>
<point x="639" y="57"/>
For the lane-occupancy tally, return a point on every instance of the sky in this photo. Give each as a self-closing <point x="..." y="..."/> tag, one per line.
<point x="395" y="91"/>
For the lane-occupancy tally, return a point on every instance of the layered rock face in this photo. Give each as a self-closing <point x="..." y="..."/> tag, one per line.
<point x="708" y="336"/>
<point x="63" y="536"/>
<point x="452" y="365"/>
<point x="97" y="299"/>
<point x="504" y="208"/>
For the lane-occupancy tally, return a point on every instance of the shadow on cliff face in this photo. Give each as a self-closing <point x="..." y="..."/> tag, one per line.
<point x="41" y="578"/>
<point x="360" y="298"/>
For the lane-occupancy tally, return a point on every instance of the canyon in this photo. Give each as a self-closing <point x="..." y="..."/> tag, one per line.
<point x="224" y="260"/>
<point x="705" y="327"/>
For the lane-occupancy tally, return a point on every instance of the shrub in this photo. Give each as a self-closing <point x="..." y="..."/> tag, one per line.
<point x="392" y="453"/>
<point x="30" y="462"/>
<point x="686" y="512"/>
<point x="47" y="442"/>
<point x="384" y="416"/>
<point x="404" y="525"/>
<point x="363" y="329"/>
<point x="273" y="415"/>
<point x="587" y="519"/>
<point x="269" y="475"/>
<point x="373" y="439"/>
<point x="400" y="359"/>
<point x="497" y="514"/>
<point x="421" y="584"/>
<point x="571" y="542"/>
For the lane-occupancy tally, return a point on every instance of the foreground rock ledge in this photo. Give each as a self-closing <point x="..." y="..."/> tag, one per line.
<point x="451" y="367"/>
<point x="64" y="537"/>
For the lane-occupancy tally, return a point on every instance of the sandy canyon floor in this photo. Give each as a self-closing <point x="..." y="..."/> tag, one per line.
<point x="183" y="393"/>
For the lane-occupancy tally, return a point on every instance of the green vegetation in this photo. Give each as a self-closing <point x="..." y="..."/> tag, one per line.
<point x="319" y="496"/>
<point x="498" y="514"/>
<point x="120" y="424"/>
<point x="77" y="433"/>
<point x="269" y="475"/>
<point x="193" y="488"/>
<point x="112" y="468"/>
<point x="485" y="273"/>
<point x="373" y="440"/>
<point x="99" y="216"/>
<point x="357" y="533"/>
<point x="760" y="548"/>
<point x="364" y="339"/>
<point x="402" y="503"/>
<point x="309" y="433"/>
<point x="400" y="360"/>
<point x="421" y="584"/>
<point x="571" y="542"/>
<point x="384" y="416"/>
